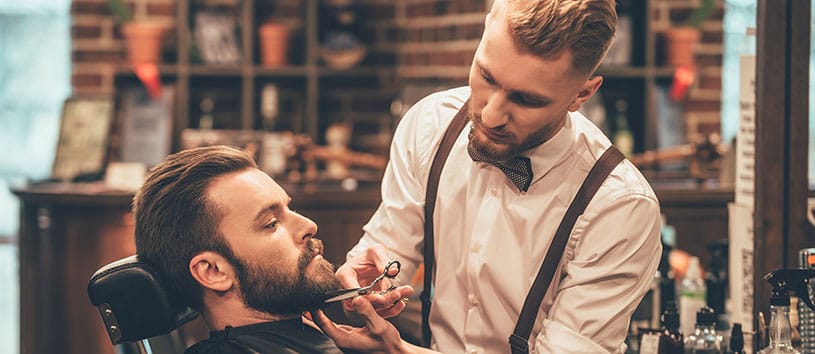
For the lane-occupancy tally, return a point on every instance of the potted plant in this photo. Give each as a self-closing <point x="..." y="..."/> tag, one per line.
<point x="142" y="35"/>
<point x="681" y="41"/>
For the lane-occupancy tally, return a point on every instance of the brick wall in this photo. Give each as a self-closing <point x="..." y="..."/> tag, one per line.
<point x="97" y="46"/>
<point x="414" y="41"/>
<point x="703" y="104"/>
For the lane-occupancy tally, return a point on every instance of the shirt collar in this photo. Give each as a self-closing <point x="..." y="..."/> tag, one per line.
<point x="546" y="156"/>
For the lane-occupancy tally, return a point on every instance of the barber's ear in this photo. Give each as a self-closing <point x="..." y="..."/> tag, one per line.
<point x="212" y="271"/>
<point x="588" y="89"/>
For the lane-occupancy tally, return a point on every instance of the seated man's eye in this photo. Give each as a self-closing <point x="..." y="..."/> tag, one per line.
<point x="271" y="224"/>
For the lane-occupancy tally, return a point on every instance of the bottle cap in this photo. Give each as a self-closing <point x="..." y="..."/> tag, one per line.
<point x="806" y="257"/>
<point x="705" y="316"/>
<point x="670" y="317"/>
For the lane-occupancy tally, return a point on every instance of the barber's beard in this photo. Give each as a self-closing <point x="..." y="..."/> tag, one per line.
<point x="493" y="151"/>
<point x="280" y="291"/>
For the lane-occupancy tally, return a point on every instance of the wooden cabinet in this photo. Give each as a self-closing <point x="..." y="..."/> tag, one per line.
<point x="66" y="233"/>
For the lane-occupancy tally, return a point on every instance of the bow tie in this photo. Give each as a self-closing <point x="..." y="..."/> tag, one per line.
<point x="517" y="169"/>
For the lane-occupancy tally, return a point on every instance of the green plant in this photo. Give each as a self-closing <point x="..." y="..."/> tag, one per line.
<point x="700" y="14"/>
<point x="120" y="11"/>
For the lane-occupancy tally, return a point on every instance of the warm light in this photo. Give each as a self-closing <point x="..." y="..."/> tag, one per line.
<point x="149" y="76"/>
<point x="683" y="78"/>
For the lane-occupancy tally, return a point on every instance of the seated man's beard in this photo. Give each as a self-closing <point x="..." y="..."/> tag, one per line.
<point x="279" y="291"/>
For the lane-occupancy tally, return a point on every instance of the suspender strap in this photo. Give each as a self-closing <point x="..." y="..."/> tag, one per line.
<point x="453" y="131"/>
<point x="519" y="340"/>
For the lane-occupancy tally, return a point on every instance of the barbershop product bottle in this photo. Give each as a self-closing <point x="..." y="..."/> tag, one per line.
<point x="806" y="317"/>
<point x="736" y="340"/>
<point x="780" y="327"/>
<point x="671" y="341"/>
<point x="667" y="281"/>
<point x="623" y="138"/>
<point x="716" y="284"/>
<point x="704" y="339"/>
<point x="691" y="296"/>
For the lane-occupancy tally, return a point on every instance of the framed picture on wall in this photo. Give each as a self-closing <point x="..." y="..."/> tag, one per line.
<point x="146" y="124"/>
<point x="216" y="35"/>
<point x="83" y="137"/>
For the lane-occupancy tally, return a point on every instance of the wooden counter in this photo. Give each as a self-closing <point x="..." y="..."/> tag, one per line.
<point x="68" y="231"/>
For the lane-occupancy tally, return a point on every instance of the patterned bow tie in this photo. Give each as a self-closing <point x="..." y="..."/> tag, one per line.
<point x="518" y="169"/>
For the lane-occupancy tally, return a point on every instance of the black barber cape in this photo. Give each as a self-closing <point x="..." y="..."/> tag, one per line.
<point x="288" y="336"/>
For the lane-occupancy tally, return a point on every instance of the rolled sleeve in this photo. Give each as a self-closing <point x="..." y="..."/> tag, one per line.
<point x="559" y="339"/>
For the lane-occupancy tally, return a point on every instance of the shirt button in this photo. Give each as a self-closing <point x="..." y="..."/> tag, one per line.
<point x="494" y="191"/>
<point x="473" y="299"/>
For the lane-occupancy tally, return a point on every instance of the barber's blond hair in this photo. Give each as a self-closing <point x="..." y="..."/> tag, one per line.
<point x="547" y="27"/>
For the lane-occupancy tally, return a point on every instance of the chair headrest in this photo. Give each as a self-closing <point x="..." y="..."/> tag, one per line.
<point x="133" y="301"/>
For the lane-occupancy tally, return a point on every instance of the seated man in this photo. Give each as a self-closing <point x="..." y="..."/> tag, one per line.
<point x="222" y="233"/>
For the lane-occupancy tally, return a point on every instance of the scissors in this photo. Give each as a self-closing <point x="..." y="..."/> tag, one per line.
<point x="342" y="294"/>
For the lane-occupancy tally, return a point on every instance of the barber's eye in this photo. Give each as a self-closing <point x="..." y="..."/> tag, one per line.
<point x="527" y="102"/>
<point x="487" y="77"/>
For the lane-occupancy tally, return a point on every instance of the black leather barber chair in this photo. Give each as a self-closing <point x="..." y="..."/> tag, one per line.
<point x="135" y="306"/>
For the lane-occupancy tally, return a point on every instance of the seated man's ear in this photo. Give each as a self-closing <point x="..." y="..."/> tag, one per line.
<point x="212" y="271"/>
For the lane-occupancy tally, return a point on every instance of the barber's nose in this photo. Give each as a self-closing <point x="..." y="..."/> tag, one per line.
<point x="495" y="113"/>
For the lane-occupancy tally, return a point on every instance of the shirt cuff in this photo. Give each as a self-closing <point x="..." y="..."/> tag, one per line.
<point x="557" y="338"/>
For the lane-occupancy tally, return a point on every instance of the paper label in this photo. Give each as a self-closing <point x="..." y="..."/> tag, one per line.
<point x="649" y="343"/>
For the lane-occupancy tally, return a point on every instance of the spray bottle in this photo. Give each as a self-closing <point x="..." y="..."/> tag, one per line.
<point x="785" y="282"/>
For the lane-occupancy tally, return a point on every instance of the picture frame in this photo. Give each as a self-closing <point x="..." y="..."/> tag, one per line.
<point x="216" y="35"/>
<point x="146" y="124"/>
<point x="83" y="137"/>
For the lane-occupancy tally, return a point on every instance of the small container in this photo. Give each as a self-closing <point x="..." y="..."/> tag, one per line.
<point x="806" y="317"/>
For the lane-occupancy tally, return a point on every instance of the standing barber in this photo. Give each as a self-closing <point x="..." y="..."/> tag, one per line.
<point x="532" y="71"/>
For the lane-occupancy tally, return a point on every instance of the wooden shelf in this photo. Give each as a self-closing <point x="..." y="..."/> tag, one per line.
<point x="301" y="82"/>
<point x="215" y="70"/>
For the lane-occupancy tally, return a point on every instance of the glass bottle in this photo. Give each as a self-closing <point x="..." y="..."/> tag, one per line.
<point x="704" y="339"/>
<point x="780" y="327"/>
<point x="806" y="317"/>
<point x="623" y="138"/>
<point x="691" y="295"/>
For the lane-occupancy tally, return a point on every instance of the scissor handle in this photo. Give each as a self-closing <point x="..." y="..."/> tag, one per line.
<point x="387" y="272"/>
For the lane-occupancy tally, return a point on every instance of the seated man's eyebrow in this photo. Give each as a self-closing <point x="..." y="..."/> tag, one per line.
<point x="271" y="209"/>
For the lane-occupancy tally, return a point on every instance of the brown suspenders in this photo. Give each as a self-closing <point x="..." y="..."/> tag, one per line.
<point x="519" y="340"/>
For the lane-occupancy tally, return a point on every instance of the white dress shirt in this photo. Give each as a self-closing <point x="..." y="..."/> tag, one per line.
<point x="490" y="238"/>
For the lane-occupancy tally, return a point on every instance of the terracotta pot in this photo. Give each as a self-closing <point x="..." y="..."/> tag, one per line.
<point x="143" y="40"/>
<point x="274" y="44"/>
<point x="680" y="45"/>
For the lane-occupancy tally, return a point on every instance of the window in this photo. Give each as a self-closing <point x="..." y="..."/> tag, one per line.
<point x="34" y="80"/>
<point x="740" y="15"/>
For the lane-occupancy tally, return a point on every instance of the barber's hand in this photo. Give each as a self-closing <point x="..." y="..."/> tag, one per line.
<point x="362" y="270"/>
<point x="378" y="335"/>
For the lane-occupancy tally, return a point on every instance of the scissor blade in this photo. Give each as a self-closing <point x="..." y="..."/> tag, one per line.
<point x="342" y="295"/>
